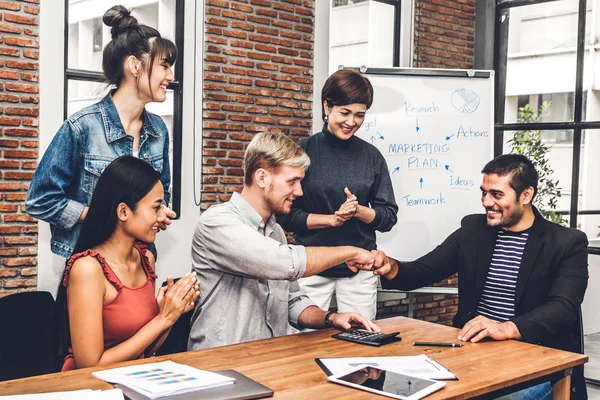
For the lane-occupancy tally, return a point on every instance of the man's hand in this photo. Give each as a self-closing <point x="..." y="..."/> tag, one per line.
<point x="348" y="209"/>
<point x="481" y="327"/>
<point x="362" y="260"/>
<point x="383" y="265"/>
<point x="352" y="320"/>
<point x="169" y="215"/>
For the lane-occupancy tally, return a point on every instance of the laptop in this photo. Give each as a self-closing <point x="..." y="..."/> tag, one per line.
<point x="242" y="389"/>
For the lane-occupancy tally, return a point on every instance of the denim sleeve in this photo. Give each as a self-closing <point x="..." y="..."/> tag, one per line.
<point x="165" y="176"/>
<point x="47" y="198"/>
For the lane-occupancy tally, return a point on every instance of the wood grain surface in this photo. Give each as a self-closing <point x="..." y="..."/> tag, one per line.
<point x="286" y="364"/>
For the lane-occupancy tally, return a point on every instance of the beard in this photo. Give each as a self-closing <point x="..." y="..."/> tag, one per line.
<point x="274" y="206"/>
<point x="508" y="218"/>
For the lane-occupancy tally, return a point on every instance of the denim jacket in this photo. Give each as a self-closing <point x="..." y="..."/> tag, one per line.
<point x="85" y="144"/>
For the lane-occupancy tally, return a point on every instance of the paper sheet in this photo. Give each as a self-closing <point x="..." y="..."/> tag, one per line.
<point x="163" y="378"/>
<point x="420" y="366"/>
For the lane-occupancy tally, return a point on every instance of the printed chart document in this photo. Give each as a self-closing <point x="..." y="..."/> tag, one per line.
<point x="420" y="366"/>
<point x="161" y="379"/>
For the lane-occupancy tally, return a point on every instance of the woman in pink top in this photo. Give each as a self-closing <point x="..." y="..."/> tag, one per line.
<point x="108" y="309"/>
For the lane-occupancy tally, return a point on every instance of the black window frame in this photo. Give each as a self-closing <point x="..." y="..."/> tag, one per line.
<point x="73" y="74"/>
<point x="578" y="125"/>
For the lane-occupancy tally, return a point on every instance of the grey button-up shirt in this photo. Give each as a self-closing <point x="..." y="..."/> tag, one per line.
<point x="247" y="273"/>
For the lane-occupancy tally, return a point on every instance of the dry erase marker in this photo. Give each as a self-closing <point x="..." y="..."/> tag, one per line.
<point x="437" y="344"/>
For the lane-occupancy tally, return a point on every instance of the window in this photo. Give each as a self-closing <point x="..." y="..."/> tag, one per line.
<point x="364" y="32"/>
<point x="541" y="63"/>
<point x="85" y="39"/>
<point x="97" y="33"/>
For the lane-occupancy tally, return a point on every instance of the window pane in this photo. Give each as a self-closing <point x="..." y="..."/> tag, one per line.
<point x="541" y="59"/>
<point x="591" y="64"/>
<point x="589" y="189"/>
<point x="559" y="159"/>
<point x="88" y="35"/>
<point x="361" y="33"/>
<point x="83" y="94"/>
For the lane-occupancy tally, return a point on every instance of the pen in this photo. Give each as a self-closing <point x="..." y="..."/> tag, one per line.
<point x="437" y="344"/>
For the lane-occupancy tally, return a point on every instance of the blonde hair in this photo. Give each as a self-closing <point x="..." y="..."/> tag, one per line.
<point x="271" y="151"/>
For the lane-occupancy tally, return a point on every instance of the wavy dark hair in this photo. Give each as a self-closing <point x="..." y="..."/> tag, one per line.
<point x="132" y="39"/>
<point x="125" y="180"/>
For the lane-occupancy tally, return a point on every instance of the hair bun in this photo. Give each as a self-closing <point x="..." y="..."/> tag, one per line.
<point x="119" y="19"/>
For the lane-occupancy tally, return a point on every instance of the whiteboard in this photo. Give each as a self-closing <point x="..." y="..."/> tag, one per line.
<point x="435" y="130"/>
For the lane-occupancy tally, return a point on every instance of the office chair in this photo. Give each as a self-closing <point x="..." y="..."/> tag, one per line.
<point x="177" y="340"/>
<point x="28" y="335"/>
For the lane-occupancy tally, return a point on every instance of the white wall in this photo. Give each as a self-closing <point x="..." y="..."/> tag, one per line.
<point x="589" y="308"/>
<point x="174" y="244"/>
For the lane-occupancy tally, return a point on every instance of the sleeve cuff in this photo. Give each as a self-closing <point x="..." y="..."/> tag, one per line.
<point x="377" y="220"/>
<point x="298" y="267"/>
<point x="299" y="305"/>
<point x="70" y="215"/>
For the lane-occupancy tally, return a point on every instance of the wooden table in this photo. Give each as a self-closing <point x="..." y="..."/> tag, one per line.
<point x="286" y="364"/>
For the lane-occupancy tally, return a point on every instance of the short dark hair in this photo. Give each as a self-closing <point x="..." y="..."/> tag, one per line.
<point x="521" y="170"/>
<point x="345" y="87"/>
<point x="125" y="180"/>
<point x="132" y="39"/>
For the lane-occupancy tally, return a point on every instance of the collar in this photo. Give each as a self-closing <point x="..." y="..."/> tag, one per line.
<point x="329" y="139"/>
<point x="113" y="127"/>
<point x="539" y="223"/>
<point x="252" y="216"/>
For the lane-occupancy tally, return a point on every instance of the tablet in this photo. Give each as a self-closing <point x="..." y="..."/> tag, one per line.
<point x="387" y="383"/>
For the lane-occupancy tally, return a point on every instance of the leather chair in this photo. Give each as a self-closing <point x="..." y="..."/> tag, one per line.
<point x="28" y="335"/>
<point x="177" y="340"/>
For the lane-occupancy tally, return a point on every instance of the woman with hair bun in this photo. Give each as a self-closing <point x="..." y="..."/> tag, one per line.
<point x="137" y="64"/>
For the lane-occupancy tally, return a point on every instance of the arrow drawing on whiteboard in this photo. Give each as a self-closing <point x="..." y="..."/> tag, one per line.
<point x="380" y="136"/>
<point x="372" y="139"/>
<point x="396" y="169"/>
<point x="421" y="183"/>
<point x="449" y="137"/>
<point x="448" y="168"/>
<point x="417" y="127"/>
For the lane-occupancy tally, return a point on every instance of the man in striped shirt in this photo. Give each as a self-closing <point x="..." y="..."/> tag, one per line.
<point x="520" y="276"/>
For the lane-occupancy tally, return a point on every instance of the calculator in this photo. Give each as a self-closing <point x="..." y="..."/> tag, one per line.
<point x="368" y="338"/>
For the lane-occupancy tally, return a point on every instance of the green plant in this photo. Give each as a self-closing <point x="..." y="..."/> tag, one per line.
<point x="529" y="143"/>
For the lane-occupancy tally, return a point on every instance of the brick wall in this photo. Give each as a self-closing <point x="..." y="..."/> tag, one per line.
<point x="18" y="142"/>
<point x="444" y="37"/>
<point x="257" y="76"/>
<point x="444" y="33"/>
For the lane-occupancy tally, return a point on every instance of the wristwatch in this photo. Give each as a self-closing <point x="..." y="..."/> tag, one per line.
<point x="328" y="323"/>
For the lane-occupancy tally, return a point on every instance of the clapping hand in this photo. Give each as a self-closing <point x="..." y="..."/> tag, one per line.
<point x="348" y="209"/>
<point x="177" y="298"/>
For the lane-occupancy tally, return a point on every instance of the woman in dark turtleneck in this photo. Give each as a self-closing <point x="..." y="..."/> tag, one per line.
<point x="348" y="195"/>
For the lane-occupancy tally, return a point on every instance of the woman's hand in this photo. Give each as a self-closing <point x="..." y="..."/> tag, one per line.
<point x="347" y="210"/>
<point x="177" y="298"/>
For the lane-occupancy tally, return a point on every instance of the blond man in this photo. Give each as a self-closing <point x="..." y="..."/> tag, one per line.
<point x="246" y="268"/>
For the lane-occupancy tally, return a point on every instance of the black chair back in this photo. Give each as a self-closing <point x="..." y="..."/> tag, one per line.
<point x="177" y="340"/>
<point x="28" y="335"/>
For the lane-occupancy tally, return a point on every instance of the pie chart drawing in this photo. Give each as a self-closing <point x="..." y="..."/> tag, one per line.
<point x="465" y="100"/>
